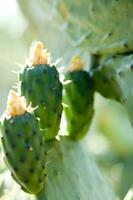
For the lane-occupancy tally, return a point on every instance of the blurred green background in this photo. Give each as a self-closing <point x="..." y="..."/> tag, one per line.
<point x="110" y="138"/>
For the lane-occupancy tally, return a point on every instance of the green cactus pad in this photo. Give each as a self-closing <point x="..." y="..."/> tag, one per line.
<point x="114" y="80"/>
<point x="78" y="97"/>
<point x="24" y="151"/>
<point x="41" y="86"/>
<point x="71" y="174"/>
<point x="101" y="27"/>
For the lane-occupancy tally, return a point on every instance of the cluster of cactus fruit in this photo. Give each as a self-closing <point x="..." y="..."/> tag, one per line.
<point x="33" y="115"/>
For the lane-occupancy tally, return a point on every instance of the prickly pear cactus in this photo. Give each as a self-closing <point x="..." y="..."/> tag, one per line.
<point x="102" y="27"/>
<point x="23" y="145"/>
<point x="47" y="167"/>
<point x="40" y="84"/>
<point x="114" y="79"/>
<point x="78" y="99"/>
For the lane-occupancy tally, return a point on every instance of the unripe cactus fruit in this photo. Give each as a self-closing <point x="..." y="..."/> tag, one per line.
<point x="23" y="145"/>
<point x="78" y="99"/>
<point x="40" y="84"/>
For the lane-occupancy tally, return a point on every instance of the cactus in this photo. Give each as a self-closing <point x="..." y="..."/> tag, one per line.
<point x="23" y="145"/>
<point x="46" y="166"/>
<point x="114" y="79"/>
<point x="101" y="27"/>
<point x="78" y="99"/>
<point x="40" y="84"/>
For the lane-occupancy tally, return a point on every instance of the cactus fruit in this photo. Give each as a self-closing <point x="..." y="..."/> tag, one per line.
<point x="23" y="145"/>
<point x="78" y="98"/>
<point x="114" y="79"/>
<point x="40" y="84"/>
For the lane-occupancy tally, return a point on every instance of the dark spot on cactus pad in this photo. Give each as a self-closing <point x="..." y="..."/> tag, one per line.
<point x="131" y="67"/>
<point x="22" y="188"/>
<point x="31" y="170"/>
<point x="26" y="123"/>
<point x="7" y="154"/>
<point x="40" y="180"/>
<point x="56" y="76"/>
<point x="15" y="169"/>
<point x="45" y="70"/>
<point x="114" y="56"/>
<point x="6" y="131"/>
<point x="120" y="73"/>
<point x="49" y="125"/>
<point x="45" y="175"/>
<point x="42" y="101"/>
<point x="26" y="141"/>
<point x="110" y="34"/>
<point x="34" y="132"/>
<point x="105" y="80"/>
<point x="28" y="146"/>
<point x="37" y="157"/>
<point x="125" y="45"/>
<point x="60" y="116"/>
<point x="93" y="9"/>
<point x="55" y="172"/>
<point x="51" y="88"/>
<point x="19" y="134"/>
<point x="22" y="160"/>
<point x="13" y="146"/>
<point x="72" y="121"/>
<point x="55" y="109"/>
<point x="26" y="181"/>
<point x="29" y="91"/>
<point x="38" y="80"/>
<point x="43" y="167"/>
<point x="73" y="101"/>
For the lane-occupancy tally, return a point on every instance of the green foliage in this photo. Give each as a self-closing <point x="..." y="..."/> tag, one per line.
<point x="42" y="88"/>
<point x="24" y="151"/>
<point x="78" y="99"/>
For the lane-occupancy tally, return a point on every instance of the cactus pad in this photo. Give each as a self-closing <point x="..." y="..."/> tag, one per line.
<point x="114" y="80"/>
<point x="72" y="174"/>
<point x="101" y="27"/>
